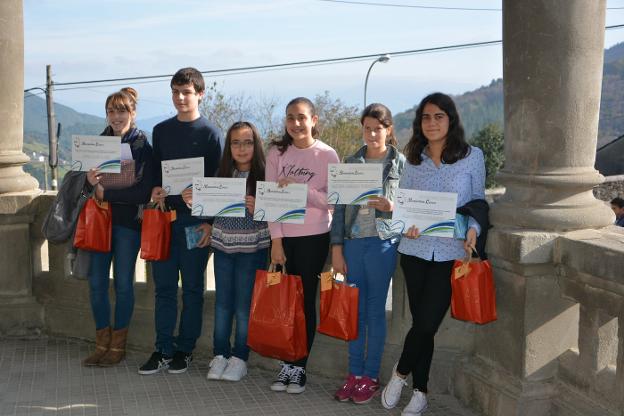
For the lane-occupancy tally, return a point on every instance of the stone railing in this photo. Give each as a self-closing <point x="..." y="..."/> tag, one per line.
<point x="591" y="374"/>
<point x="67" y="312"/>
<point x="612" y="187"/>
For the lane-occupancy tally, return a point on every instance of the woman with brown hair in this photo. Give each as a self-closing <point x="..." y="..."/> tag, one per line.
<point x="110" y="344"/>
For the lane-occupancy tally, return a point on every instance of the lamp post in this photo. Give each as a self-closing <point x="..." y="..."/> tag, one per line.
<point x="382" y="58"/>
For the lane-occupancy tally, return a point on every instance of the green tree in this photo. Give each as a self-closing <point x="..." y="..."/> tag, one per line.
<point x="339" y="124"/>
<point x="491" y="141"/>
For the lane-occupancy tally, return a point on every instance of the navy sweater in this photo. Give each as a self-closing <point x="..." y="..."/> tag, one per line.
<point x="124" y="202"/>
<point x="175" y="139"/>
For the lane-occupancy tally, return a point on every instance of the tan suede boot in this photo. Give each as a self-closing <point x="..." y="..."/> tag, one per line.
<point x="102" y="342"/>
<point x="117" y="350"/>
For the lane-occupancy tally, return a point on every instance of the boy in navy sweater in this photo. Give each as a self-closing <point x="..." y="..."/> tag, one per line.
<point x="187" y="135"/>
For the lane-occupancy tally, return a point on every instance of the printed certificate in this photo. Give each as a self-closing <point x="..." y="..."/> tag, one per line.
<point x="353" y="183"/>
<point x="219" y="197"/>
<point x="433" y="213"/>
<point x="99" y="152"/>
<point x="178" y="174"/>
<point x="285" y="204"/>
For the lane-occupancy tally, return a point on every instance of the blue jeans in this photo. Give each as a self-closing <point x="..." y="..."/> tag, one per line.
<point x="370" y="265"/>
<point x="235" y="274"/>
<point x="190" y="265"/>
<point x="124" y="249"/>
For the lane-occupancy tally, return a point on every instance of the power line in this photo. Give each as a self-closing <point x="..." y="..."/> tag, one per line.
<point x="274" y="67"/>
<point x="295" y="64"/>
<point x="413" y="6"/>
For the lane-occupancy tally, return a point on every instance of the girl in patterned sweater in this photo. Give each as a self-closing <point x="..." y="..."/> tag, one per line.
<point x="240" y="248"/>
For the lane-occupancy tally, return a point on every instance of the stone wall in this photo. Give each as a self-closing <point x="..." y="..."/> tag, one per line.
<point x="612" y="187"/>
<point x="67" y="312"/>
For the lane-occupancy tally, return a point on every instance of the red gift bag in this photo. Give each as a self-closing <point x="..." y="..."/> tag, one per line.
<point x="474" y="295"/>
<point x="95" y="227"/>
<point x="156" y="233"/>
<point x="338" y="309"/>
<point x="277" y="325"/>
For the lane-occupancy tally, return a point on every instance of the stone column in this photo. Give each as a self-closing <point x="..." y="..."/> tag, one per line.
<point x="553" y="56"/>
<point x="552" y="71"/>
<point x="12" y="176"/>
<point x="20" y="314"/>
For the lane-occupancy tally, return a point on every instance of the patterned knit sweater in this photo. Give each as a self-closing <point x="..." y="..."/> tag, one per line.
<point x="239" y="234"/>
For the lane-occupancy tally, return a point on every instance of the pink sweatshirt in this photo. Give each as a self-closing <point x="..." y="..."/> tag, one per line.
<point x="307" y="166"/>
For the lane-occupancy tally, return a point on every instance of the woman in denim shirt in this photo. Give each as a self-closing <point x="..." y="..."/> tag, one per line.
<point x="440" y="160"/>
<point x="364" y="250"/>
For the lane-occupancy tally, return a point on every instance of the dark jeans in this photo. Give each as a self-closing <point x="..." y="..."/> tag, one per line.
<point x="429" y="292"/>
<point x="124" y="249"/>
<point x="235" y="275"/>
<point x="190" y="265"/>
<point x="305" y="257"/>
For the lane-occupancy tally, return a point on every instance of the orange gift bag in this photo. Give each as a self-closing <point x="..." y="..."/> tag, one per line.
<point x="338" y="309"/>
<point x="94" y="230"/>
<point x="156" y="233"/>
<point x="277" y="326"/>
<point x="474" y="295"/>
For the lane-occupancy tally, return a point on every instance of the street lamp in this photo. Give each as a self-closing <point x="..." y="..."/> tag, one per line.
<point x="382" y="58"/>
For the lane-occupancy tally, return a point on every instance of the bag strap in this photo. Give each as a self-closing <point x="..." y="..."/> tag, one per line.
<point x="273" y="267"/>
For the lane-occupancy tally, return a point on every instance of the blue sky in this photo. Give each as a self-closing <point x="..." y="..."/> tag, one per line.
<point x="123" y="38"/>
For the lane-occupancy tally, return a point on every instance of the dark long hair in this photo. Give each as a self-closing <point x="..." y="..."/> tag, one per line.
<point x="228" y="165"/>
<point x="456" y="147"/>
<point x="382" y="114"/>
<point x="285" y="141"/>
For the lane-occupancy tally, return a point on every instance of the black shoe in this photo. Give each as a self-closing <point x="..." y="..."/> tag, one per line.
<point x="180" y="363"/>
<point x="155" y="363"/>
<point x="297" y="381"/>
<point x="281" y="381"/>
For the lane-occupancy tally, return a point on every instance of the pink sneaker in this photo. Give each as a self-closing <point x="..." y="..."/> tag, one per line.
<point x="345" y="392"/>
<point x="365" y="390"/>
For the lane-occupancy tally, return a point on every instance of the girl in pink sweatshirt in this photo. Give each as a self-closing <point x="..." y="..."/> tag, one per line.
<point x="298" y="157"/>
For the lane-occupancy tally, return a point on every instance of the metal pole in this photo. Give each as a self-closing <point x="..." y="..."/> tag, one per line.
<point x="52" y="139"/>
<point x="382" y="58"/>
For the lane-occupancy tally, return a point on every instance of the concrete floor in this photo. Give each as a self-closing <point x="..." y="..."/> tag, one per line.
<point x="44" y="377"/>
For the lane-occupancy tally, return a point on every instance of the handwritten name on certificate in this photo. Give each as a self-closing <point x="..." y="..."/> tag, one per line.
<point x="219" y="197"/>
<point x="353" y="183"/>
<point x="285" y="204"/>
<point x="178" y="174"/>
<point x="433" y="213"/>
<point x="96" y="152"/>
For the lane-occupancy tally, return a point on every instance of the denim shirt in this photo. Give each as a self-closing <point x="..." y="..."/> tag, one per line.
<point x="466" y="177"/>
<point x="345" y="215"/>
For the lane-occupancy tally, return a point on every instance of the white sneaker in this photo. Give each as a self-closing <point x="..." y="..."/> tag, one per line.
<point x="236" y="369"/>
<point x="217" y="367"/>
<point x="416" y="405"/>
<point x="391" y="394"/>
<point x="282" y="379"/>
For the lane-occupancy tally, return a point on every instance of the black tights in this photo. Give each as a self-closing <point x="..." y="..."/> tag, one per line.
<point x="429" y="293"/>
<point x="305" y="257"/>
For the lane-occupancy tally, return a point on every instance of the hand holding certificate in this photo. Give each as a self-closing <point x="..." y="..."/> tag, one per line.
<point x="178" y="174"/>
<point x="219" y="197"/>
<point x="286" y="204"/>
<point x="353" y="183"/>
<point x="96" y="152"/>
<point x="433" y="213"/>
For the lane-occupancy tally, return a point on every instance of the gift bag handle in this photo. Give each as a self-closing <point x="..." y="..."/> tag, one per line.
<point x="273" y="267"/>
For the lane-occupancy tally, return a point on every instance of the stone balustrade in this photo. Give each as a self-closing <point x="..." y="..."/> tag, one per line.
<point x="590" y="265"/>
<point x="67" y="312"/>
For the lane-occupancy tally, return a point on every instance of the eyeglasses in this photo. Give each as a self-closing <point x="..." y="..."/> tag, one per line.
<point x="240" y="145"/>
